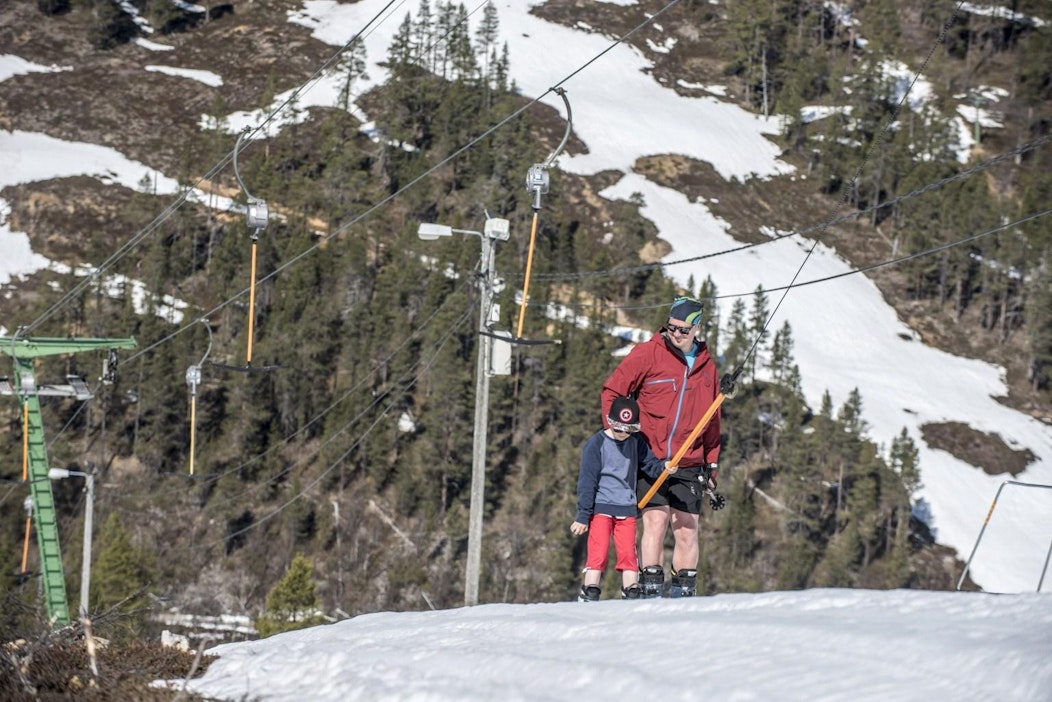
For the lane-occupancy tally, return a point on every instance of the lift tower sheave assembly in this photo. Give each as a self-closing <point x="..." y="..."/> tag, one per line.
<point x="23" y="385"/>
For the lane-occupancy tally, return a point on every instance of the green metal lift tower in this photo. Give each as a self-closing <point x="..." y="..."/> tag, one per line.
<point x="24" y="351"/>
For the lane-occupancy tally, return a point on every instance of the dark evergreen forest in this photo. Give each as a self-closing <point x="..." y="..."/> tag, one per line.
<point x="354" y="450"/>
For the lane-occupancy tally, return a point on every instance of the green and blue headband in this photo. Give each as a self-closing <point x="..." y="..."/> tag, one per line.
<point x="686" y="308"/>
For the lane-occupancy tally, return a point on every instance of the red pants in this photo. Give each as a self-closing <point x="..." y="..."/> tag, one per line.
<point x="623" y="529"/>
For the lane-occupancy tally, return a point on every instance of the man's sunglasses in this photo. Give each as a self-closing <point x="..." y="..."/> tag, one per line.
<point x="679" y="330"/>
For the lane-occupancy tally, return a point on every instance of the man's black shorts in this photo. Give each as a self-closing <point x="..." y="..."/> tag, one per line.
<point x="681" y="491"/>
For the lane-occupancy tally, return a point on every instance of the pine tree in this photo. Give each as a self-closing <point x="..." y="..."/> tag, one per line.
<point x="758" y="317"/>
<point x="737" y="336"/>
<point x="292" y="603"/>
<point x="486" y="37"/>
<point x="352" y="66"/>
<point x="120" y="574"/>
<point x="905" y="462"/>
<point x="782" y="354"/>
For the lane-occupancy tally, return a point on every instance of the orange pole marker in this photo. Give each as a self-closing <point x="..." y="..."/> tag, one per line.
<point x="526" y="282"/>
<point x="25" y="442"/>
<point x="702" y="423"/>
<point x="25" y="545"/>
<point x="193" y="429"/>
<point x="251" y="305"/>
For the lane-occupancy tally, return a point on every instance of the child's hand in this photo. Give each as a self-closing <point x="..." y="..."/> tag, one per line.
<point x="670" y="468"/>
<point x="578" y="528"/>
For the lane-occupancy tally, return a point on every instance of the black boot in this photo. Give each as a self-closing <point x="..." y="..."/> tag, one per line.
<point x="652" y="580"/>
<point x="632" y="592"/>
<point x="589" y="593"/>
<point x="684" y="583"/>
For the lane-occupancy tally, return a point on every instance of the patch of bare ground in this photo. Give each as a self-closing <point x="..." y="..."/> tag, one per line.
<point x="52" y="669"/>
<point x="980" y="449"/>
<point x="756" y="209"/>
<point x="58" y="212"/>
<point x="149" y="116"/>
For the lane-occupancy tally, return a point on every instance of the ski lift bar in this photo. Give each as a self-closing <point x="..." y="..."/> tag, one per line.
<point x="257" y="216"/>
<point x="193" y="379"/>
<point x="537" y="181"/>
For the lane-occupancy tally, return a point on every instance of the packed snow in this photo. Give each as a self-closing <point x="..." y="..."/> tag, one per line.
<point x="811" y="646"/>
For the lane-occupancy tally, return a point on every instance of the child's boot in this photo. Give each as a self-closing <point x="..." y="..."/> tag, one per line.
<point x="632" y="592"/>
<point x="589" y="593"/>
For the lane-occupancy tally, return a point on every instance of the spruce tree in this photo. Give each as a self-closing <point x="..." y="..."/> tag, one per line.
<point x="121" y="572"/>
<point x="292" y="603"/>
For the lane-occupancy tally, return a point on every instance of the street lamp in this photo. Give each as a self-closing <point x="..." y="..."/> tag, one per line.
<point x="495" y="229"/>
<point x="85" y="572"/>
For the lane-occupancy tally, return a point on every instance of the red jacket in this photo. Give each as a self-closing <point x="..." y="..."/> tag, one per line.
<point x="671" y="400"/>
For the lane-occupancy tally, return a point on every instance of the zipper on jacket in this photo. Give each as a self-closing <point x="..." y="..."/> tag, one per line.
<point x="663" y="380"/>
<point x="679" y="409"/>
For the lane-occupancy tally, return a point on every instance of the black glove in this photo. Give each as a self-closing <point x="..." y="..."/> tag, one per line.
<point x="729" y="385"/>
<point x="708" y="476"/>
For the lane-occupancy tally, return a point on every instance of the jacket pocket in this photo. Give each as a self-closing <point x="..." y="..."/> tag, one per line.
<point x="657" y="396"/>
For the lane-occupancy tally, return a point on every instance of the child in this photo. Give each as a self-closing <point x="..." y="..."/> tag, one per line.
<point x="606" y="497"/>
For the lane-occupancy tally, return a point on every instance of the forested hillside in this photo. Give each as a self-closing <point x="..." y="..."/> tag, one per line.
<point x="349" y="440"/>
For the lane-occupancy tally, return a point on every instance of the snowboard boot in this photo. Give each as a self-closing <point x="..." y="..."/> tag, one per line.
<point x="632" y="592"/>
<point x="589" y="593"/>
<point x="652" y="581"/>
<point x="684" y="583"/>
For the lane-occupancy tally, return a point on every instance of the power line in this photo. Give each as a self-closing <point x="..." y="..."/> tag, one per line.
<point x="854" y="271"/>
<point x="631" y="270"/>
<point x="211" y="174"/>
<point x="215" y="477"/>
<point x="407" y="381"/>
<point x="852" y="184"/>
<point x="412" y="183"/>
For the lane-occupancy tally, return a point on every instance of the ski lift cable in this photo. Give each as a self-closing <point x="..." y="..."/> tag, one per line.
<point x="210" y="175"/>
<point x="629" y="270"/>
<point x="851" y="185"/>
<point x="854" y="271"/>
<point x="466" y="147"/>
<point x="318" y="244"/>
<point x="412" y="183"/>
<point x="366" y="377"/>
<point x="728" y="382"/>
<point x="215" y="170"/>
<point x="409" y="378"/>
<point x="455" y="154"/>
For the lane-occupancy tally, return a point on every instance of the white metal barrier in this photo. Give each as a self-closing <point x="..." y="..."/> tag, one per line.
<point x="987" y="521"/>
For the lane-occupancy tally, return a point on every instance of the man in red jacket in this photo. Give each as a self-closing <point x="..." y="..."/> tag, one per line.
<point x="674" y="380"/>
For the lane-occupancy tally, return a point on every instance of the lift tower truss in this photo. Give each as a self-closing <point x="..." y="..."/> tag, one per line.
<point x="24" y="351"/>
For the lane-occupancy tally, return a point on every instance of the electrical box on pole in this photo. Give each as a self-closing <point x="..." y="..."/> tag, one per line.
<point x="24" y="386"/>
